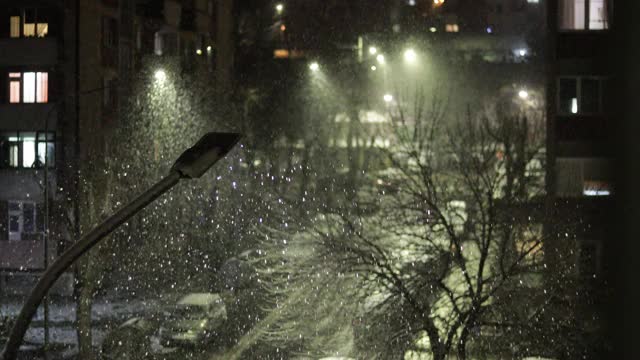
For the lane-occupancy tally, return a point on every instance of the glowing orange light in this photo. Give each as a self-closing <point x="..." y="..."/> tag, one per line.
<point x="283" y="27"/>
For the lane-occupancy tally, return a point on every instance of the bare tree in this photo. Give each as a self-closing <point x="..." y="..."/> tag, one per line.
<point x="454" y="232"/>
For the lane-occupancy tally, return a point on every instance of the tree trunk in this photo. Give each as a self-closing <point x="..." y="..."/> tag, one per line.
<point x="84" y="302"/>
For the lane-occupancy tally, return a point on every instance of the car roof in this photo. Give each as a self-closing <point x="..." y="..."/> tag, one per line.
<point x="201" y="299"/>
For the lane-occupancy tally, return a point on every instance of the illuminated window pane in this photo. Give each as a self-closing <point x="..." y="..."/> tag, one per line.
<point x="42" y="29"/>
<point x="598" y="15"/>
<point x="14" y="160"/>
<point x="29" y="30"/>
<point x="42" y="88"/>
<point x="29" y="86"/>
<point x="572" y="14"/>
<point x="14" y="26"/>
<point x="14" y="92"/>
<point x="28" y="149"/>
<point x="46" y="153"/>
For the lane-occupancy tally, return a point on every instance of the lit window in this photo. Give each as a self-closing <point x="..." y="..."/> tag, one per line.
<point x="29" y="87"/>
<point x="14" y="87"/>
<point x="573" y="14"/>
<point x="14" y="26"/>
<point x="451" y="28"/>
<point x="26" y="150"/>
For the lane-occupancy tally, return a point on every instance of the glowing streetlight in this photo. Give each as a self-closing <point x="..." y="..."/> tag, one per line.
<point x="410" y="56"/>
<point x="279" y="8"/>
<point x="522" y="52"/>
<point x="387" y="98"/>
<point x="373" y="50"/>
<point x="314" y="66"/>
<point x="433" y="29"/>
<point x="199" y="52"/>
<point x="160" y="75"/>
<point x="380" y="59"/>
<point x="373" y="68"/>
<point x="523" y="94"/>
<point x="209" y="48"/>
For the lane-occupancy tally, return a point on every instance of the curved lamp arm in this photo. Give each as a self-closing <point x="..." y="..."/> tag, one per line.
<point x="193" y="163"/>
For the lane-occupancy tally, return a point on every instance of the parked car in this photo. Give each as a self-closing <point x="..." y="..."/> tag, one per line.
<point x="195" y="320"/>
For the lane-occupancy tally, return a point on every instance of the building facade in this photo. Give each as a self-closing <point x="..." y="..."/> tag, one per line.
<point x="66" y="66"/>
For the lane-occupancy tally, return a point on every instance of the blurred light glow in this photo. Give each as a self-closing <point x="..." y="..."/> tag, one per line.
<point x="380" y="59"/>
<point x="373" y="50"/>
<point x="160" y="75"/>
<point x="199" y="52"/>
<point x="314" y="66"/>
<point x="489" y="30"/>
<point x="410" y="56"/>
<point x="387" y="98"/>
<point x="373" y="68"/>
<point x="433" y="29"/>
<point x="522" y="52"/>
<point x="523" y="94"/>
<point x="209" y="48"/>
<point x="574" y="105"/>
<point x="279" y="8"/>
<point x="283" y="27"/>
<point x="438" y="2"/>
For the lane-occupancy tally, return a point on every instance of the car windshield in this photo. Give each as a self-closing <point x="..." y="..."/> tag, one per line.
<point x="313" y="179"/>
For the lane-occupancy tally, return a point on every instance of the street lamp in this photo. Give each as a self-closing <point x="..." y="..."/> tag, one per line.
<point x="279" y="8"/>
<point x="373" y="50"/>
<point x="160" y="75"/>
<point x="410" y="56"/>
<point x="387" y="98"/>
<point x="523" y="94"/>
<point x="314" y="66"/>
<point x="193" y="163"/>
<point x="380" y="59"/>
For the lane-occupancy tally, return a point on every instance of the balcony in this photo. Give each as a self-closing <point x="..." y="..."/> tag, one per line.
<point x="583" y="44"/>
<point x="29" y="51"/>
<point x="27" y="116"/>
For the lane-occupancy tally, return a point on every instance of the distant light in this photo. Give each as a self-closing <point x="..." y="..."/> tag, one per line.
<point x="387" y="98"/>
<point x="314" y="66"/>
<point x="199" y="52"/>
<point x="373" y="68"/>
<point x="209" y="48"/>
<point x="438" y="2"/>
<point x="411" y="2"/>
<point x="574" y="106"/>
<point x="489" y="30"/>
<point x="373" y="50"/>
<point x="410" y="56"/>
<point x="523" y="94"/>
<point x="433" y="29"/>
<point x="279" y="8"/>
<point x="160" y="75"/>
<point x="522" y="52"/>
<point x="592" y="192"/>
<point x="283" y="27"/>
<point x="380" y="59"/>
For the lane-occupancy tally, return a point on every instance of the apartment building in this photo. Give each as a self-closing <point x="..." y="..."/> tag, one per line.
<point x="65" y="66"/>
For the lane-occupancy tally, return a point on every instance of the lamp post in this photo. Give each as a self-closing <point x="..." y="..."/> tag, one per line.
<point x="193" y="163"/>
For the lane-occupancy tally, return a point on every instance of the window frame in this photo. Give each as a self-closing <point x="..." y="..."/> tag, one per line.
<point x="579" y="78"/>
<point x="21" y="80"/>
<point x="20" y="214"/>
<point x="587" y="18"/>
<point x="41" y="137"/>
<point x="21" y="15"/>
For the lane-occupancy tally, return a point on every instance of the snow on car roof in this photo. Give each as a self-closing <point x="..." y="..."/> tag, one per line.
<point x="199" y="299"/>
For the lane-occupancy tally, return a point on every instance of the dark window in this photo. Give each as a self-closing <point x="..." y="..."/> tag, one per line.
<point x="109" y="32"/>
<point x="568" y="96"/>
<point x="590" y="96"/>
